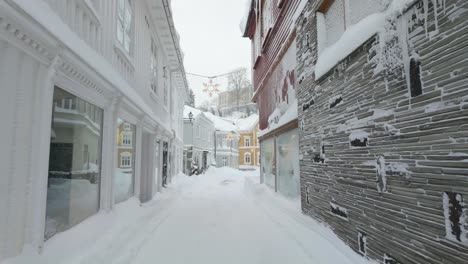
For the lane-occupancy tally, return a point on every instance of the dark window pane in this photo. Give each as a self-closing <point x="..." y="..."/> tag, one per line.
<point x="415" y="78"/>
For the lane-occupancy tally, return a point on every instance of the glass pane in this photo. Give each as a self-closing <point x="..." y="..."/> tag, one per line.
<point x="125" y="172"/>
<point x="127" y="43"/>
<point x="120" y="31"/>
<point x="288" y="160"/>
<point x="268" y="160"/>
<point x="74" y="164"/>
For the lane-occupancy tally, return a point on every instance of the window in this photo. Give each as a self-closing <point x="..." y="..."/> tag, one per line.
<point x="154" y="67"/>
<point x="225" y="162"/>
<point x="335" y="16"/>
<point x="126" y="139"/>
<point x="247" y="158"/>
<point x="127" y="127"/>
<point x="246" y="141"/>
<point x="74" y="164"/>
<point x="124" y="177"/>
<point x="267" y="18"/>
<point x="124" y="23"/>
<point x="125" y="160"/>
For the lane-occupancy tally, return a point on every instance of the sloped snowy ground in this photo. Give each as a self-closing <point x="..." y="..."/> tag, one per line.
<point x="224" y="216"/>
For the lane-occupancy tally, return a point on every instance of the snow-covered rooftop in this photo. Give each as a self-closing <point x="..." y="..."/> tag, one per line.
<point x="222" y="124"/>
<point x="245" y="17"/>
<point x="187" y="109"/>
<point x="247" y="123"/>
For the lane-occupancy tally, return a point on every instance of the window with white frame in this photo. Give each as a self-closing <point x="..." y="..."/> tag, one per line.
<point x="335" y="16"/>
<point x="126" y="139"/>
<point x="127" y="127"/>
<point x="225" y="162"/>
<point x="267" y="18"/>
<point x="246" y="141"/>
<point x="154" y="67"/>
<point x="125" y="160"/>
<point x="124" y="23"/>
<point x="247" y="158"/>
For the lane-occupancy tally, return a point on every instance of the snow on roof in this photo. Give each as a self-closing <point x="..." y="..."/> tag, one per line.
<point x="247" y="124"/>
<point x="187" y="109"/>
<point x="221" y="124"/>
<point x="355" y="36"/>
<point x="245" y="17"/>
<point x="45" y="16"/>
<point x="288" y="116"/>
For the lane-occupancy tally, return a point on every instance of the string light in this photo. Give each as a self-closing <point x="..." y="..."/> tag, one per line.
<point x="212" y="87"/>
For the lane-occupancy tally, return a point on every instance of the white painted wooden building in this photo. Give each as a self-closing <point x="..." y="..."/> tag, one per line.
<point x="199" y="134"/>
<point x="72" y="72"/>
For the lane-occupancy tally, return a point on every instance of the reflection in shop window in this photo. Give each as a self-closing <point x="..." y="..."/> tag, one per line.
<point x="74" y="162"/>
<point x="288" y="156"/>
<point x="268" y="162"/>
<point x="125" y="160"/>
<point x="125" y="172"/>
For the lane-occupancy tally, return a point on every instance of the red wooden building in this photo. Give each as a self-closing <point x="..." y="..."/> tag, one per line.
<point x="270" y="25"/>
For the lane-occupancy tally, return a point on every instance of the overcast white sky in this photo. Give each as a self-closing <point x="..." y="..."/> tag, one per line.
<point x="211" y="39"/>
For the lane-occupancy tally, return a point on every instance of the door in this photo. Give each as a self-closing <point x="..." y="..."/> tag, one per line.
<point x="165" y="163"/>
<point x="205" y="160"/>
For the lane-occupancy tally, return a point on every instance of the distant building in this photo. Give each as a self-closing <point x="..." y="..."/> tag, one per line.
<point x="237" y="104"/>
<point x="199" y="132"/>
<point x="226" y="142"/>
<point x="249" y="147"/>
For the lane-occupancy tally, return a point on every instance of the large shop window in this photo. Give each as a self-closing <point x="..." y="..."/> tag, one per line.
<point x="74" y="162"/>
<point x="288" y="164"/>
<point x="268" y="162"/>
<point x="125" y="172"/>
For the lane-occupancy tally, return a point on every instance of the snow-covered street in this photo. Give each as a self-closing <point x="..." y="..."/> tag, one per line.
<point x="224" y="216"/>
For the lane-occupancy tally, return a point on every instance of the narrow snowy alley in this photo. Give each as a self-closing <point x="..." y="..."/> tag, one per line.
<point x="223" y="216"/>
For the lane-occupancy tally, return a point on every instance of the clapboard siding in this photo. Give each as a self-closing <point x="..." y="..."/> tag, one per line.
<point x="283" y="27"/>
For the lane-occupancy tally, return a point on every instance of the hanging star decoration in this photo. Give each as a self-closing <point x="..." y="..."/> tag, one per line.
<point x="210" y="87"/>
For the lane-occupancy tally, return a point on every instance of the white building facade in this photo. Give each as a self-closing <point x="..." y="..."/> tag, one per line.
<point x="198" y="140"/>
<point x="72" y="72"/>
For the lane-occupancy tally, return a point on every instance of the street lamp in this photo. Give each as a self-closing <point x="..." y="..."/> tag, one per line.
<point x="190" y="116"/>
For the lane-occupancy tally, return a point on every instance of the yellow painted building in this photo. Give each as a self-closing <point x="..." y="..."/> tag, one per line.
<point x="249" y="148"/>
